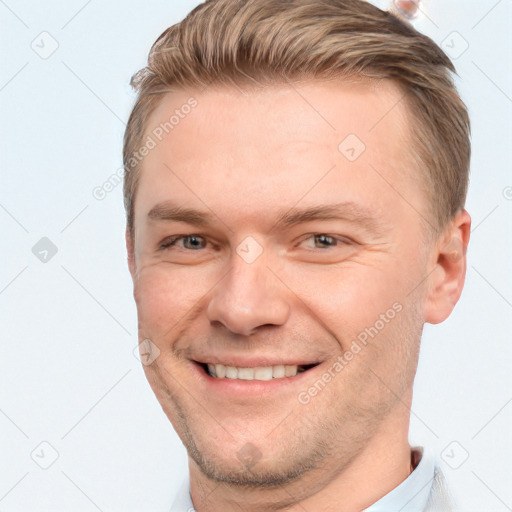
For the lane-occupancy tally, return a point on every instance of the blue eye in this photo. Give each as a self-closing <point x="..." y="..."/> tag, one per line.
<point x="194" y="239"/>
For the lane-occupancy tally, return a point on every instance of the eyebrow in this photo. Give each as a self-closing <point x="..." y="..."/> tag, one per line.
<point x="165" y="211"/>
<point x="348" y="211"/>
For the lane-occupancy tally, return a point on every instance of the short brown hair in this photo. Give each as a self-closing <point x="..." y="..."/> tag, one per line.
<point x="237" y="42"/>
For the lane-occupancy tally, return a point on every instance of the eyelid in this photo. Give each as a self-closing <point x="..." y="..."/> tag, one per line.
<point x="339" y="238"/>
<point x="169" y="240"/>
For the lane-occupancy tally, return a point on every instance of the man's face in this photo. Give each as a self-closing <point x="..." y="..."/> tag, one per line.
<point x="258" y="285"/>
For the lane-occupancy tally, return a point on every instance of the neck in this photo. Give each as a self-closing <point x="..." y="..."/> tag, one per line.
<point x="383" y="464"/>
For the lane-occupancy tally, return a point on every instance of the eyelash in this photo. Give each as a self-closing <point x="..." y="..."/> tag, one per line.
<point x="171" y="241"/>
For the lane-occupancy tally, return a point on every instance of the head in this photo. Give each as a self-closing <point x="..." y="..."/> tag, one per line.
<point x="295" y="179"/>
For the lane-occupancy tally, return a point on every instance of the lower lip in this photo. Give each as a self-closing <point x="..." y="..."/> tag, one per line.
<point x="250" y="388"/>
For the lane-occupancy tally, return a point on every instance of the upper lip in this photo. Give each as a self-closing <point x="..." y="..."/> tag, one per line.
<point x="254" y="362"/>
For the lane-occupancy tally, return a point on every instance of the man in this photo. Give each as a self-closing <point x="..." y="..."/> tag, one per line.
<point x="296" y="173"/>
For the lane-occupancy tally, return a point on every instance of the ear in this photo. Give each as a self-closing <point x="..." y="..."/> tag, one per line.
<point x="130" y="249"/>
<point x="447" y="266"/>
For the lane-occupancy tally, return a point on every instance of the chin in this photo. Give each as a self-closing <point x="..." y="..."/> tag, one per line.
<point x="246" y="469"/>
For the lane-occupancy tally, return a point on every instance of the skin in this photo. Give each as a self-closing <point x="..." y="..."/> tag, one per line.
<point x="244" y="156"/>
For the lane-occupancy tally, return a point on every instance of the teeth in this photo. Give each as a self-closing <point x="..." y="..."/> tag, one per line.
<point x="290" y="371"/>
<point x="231" y="372"/>
<point x="278" y="371"/>
<point x="220" y="370"/>
<point x="258" y="373"/>
<point x="212" y="370"/>
<point x="263" y="373"/>
<point x="246" y="373"/>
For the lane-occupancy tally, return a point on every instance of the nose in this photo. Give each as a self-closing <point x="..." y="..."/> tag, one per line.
<point x="249" y="296"/>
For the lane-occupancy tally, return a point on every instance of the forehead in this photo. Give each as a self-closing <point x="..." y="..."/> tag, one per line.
<point x="276" y="144"/>
<point x="311" y="111"/>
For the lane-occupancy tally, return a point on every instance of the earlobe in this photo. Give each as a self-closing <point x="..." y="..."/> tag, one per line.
<point x="447" y="270"/>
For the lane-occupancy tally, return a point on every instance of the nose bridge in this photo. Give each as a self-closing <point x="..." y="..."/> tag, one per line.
<point x="247" y="297"/>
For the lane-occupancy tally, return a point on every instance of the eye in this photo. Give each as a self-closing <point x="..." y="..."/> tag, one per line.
<point x="324" y="241"/>
<point x="194" y="242"/>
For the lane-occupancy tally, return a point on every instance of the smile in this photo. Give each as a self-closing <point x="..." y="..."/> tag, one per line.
<point x="221" y="371"/>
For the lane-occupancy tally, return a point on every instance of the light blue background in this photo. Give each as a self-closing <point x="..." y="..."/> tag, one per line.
<point x="68" y="375"/>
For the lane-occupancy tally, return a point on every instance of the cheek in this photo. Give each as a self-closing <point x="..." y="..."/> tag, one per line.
<point x="348" y="300"/>
<point x="163" y="297"/>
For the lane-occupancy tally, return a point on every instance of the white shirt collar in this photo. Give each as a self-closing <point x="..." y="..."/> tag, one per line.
<point x="410" y="496"/>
